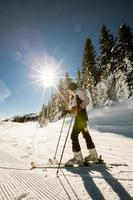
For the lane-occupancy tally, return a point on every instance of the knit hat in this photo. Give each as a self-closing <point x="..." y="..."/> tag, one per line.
<point x="72" y="86"/>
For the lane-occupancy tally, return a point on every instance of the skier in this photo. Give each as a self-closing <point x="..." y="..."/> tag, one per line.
<point x="78" y="103"/>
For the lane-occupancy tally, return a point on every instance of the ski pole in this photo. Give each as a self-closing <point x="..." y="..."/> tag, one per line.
<point x="59" y="138"/>
<point x="64" y="145"/>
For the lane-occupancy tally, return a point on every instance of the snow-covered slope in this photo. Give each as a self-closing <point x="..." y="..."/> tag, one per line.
<point x="117" y="118"/>
<point x="111" y="130"/>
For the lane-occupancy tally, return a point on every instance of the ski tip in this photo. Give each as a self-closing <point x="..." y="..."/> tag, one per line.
<point x="32" y="163"/>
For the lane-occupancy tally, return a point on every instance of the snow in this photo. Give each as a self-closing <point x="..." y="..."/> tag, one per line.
<point x="20" y="143"/>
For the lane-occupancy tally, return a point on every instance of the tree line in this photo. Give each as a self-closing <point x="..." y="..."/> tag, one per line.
<point x="106" y="76"/>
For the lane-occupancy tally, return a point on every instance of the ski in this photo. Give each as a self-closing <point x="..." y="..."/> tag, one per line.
<point x="35" y="165"/>
<point x="50" y="162"/>
<point x="54" y="164"/>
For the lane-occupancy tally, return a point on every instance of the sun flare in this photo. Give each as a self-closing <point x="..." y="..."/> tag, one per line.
<point x="48" y="78"/>
<point x="45" y="71"/>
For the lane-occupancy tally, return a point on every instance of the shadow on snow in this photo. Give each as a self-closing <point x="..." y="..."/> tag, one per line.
<point x="93" y="189"/>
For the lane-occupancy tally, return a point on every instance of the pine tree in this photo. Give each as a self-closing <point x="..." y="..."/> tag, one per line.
<point x="129" y="75"/>
<point x="61" y="94"/>
<point x="107" y="51"/>
<point x="122" y="88"/>
<point x="52" y="106"/>
<point x="46" y="112"/>
<point x="49" y="111"/>
<point x="107" y="66"/>
<point x="88" y="62"/>
<point x="89" y="72"/>
<point x="125" y="59"/>
<point x="79" y="79"/>
<point x="125" y="43"/>
<point x="68" y="80"/>
<point x="42" y="116"/>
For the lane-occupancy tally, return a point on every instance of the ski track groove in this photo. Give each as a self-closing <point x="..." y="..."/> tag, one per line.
<point x="30" y="181"/>
<point x="40" y="185"/>
<point x="15" y="187"/>
<point x="53" y="185"/>
<point x="31" y="178"/>
<point x="4" y="192"/>
<point x="36" y="179"/>
<point x="9" y="185"/>
<point x="24" y="186"/>
<point x="9" y="192"/>
<point x="28" y="184"/>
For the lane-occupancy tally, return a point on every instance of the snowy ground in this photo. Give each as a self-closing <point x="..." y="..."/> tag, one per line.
<point x="112" y="131"/>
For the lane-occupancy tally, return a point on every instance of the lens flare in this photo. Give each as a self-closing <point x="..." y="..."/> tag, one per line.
<point x="45" y="71"/>
<point x="48" y="78"/>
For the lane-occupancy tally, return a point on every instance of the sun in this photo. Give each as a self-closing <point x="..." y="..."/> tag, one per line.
<point x="48" y="78"/>
<point x="45" y="72"/>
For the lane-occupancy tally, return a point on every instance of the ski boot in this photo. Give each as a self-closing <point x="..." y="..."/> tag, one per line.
<point x="92" y="157"/>
<point x="77" y="159"/>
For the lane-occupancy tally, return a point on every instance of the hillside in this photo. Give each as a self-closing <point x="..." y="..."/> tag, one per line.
<point x="111" y="129"/>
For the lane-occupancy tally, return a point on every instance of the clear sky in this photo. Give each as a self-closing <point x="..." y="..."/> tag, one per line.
<point x="31" y="28"/>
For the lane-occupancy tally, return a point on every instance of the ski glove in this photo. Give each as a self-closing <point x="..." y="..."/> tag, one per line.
<point x="73" y="110"/>
<point x="64" y="112"/>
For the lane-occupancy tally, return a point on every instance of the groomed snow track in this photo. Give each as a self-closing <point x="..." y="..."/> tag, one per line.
<point x="18" y="182"/>
<point x="30" y="186"/>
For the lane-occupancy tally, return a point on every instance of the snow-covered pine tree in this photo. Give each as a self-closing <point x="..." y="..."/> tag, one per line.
<point x="52" y="106"/>
<point x="129" y="65"/>
<point x="56" y="110"/>
<point x="125" y="45"/>
<point x="42" y="116"/>
<point x="79" y="79"/>
<point x="122" y="89"/>
<point x="61" y="95"/>
<point x="107" y="66"/>
<point x="124" y="72"/>
<point x="89" y="71"/>
<point x="67" y="81"/>
<point x="56" y="104"/>
<point x="49" y="113"/>
<point x="107" y="47"/>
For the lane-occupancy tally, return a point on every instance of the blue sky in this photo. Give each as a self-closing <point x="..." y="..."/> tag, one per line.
<point x="58" y="28"/>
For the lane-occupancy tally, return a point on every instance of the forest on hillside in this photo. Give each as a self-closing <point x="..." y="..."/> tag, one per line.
<point x="106" y="77"/>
